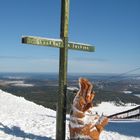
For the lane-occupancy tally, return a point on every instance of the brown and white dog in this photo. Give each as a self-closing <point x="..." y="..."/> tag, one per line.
<point x="84" y="125"/>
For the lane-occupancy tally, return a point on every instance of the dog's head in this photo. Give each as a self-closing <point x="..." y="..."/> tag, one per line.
<point x="85" y="95"/>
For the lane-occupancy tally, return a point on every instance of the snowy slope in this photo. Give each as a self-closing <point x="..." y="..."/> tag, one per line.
<point x="24" y="120"/>
<point x="108" y="108"/>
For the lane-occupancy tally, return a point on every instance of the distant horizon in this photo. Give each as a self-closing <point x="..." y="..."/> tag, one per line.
<point x="123" y="74"/>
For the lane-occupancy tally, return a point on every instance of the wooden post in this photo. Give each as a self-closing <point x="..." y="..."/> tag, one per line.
<point x="63" y="44"/>
<point x="61" y="108"/>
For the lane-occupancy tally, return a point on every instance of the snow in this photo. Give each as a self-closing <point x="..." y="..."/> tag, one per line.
<point x="72" y="88"/>
<point x="23" y="85"/>
<point x="24" y="120"/>
<point x="138" y="95"/>
<point x="19" y="83"/>
<point x="21" y="119"/>
<point x="108" y="108"/>
<point x="53" y="39"/>
<point x="127" y="92"/>
<point x="80" y="43"/>
<point x="14" y="77"/>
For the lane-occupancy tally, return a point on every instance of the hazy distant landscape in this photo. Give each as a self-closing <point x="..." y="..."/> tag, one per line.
<point x="42" y="88"/>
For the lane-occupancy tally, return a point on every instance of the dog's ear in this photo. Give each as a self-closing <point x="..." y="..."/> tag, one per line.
<point x="82" y="86"/>
<point x="85" y="87"/>
<point x="85" y="91"/>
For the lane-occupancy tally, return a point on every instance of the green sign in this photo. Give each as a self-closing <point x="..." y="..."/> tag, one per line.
<point x="58" y="43"/>
<point x="81" y="47"/>
<point x="42" y="41"/>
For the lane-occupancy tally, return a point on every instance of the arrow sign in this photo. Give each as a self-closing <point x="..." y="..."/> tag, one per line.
<point x="57" y="43"/>
<point x="81" y="47"/>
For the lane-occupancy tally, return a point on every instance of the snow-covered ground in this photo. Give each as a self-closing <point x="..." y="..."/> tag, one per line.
<point x="109" y="108"/>
<point x="24" y="120"/>
<point x="19" y="83"/>
<point x="138" y="95"/>
<point x="127" y="92"/>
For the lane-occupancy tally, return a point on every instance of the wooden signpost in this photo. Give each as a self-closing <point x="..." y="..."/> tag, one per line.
<point x="64" y="45"/>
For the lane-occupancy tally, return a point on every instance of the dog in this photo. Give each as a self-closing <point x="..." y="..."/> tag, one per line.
<point x="83" y="124"/>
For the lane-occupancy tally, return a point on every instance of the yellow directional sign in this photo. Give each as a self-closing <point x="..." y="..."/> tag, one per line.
<point x="58" y="43"/>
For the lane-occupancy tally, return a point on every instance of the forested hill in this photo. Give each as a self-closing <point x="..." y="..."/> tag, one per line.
<point x="43" y="90"/>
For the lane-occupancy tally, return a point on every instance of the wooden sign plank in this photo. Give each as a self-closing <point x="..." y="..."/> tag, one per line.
<point x="81" y="47"/>
<point x="42" y="41"/>
<point x="58" y="43"/>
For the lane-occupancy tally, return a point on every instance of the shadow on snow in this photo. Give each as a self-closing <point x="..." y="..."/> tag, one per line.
<point x="16" y="131"/>
<point x="128" y="128"/>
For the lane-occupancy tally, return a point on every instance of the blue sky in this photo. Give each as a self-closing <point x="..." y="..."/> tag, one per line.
<point x="113" y="26"/>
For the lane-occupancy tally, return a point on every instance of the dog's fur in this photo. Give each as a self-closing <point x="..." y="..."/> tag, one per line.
<point x="83" y="124"/>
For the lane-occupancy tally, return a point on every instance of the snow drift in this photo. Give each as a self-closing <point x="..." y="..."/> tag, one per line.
<point x="24" y="120"/>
